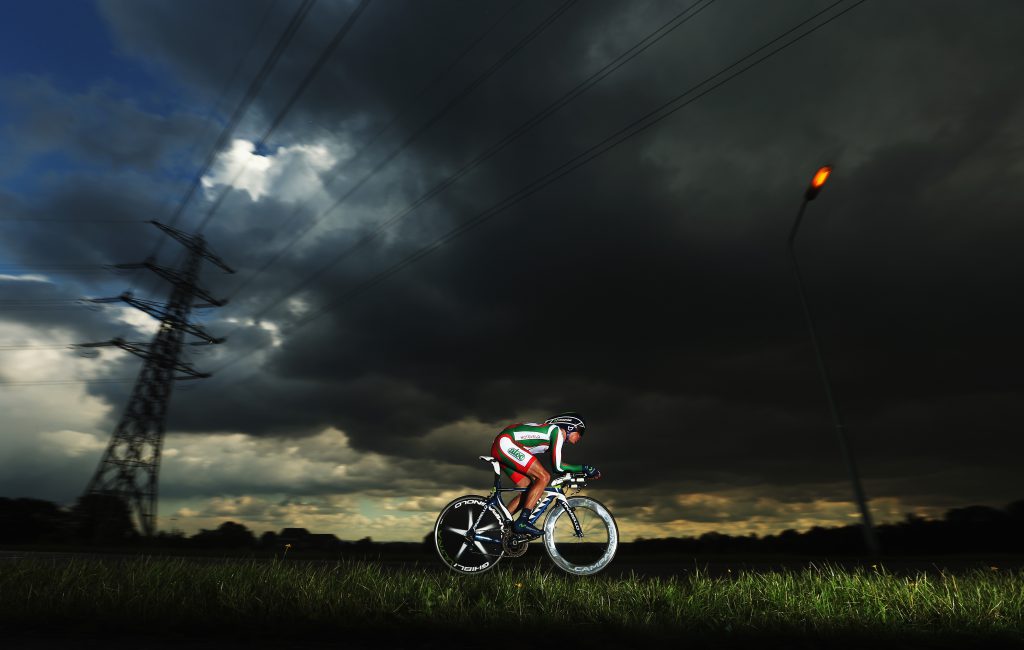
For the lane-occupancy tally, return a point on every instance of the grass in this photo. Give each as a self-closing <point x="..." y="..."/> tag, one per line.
<point x="308" y="600"/>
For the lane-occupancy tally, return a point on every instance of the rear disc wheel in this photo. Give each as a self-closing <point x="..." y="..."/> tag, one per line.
<point x="468" y="535"/>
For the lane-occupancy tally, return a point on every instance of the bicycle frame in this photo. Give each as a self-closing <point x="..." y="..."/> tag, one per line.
<point x="552" y="494"/>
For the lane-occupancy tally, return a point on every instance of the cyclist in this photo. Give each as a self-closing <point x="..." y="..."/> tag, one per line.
<point x="516" y="449"/>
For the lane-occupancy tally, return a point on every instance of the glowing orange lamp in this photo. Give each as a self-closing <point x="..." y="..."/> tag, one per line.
<point x="817" y="182"/>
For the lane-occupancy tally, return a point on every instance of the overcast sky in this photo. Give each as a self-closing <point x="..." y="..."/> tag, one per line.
<point x="374" y="348"/>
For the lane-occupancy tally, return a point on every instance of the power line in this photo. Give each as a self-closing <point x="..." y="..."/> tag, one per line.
<point x="69" y="220"/>
<point x="215" y="108"/>
<point x="339" y="36"/>
<point x="58" y="346"/>
<point x="209" y="118"/>
<point x="311" y="73"/>
<point x="56" y="268"/>
<point x="638" y="48"/>
<point x="465" y="92"/>
<point x="286" y="227"/>
<point x="429" y="86"/>
<point x="328" y="51"/>
<point x="43" y="301"/>
<point x="58" y="382"/>
<point x="631" y="130"/>
<point x="44" y="304"/>
<point x="254" y="88"/>
<point x="39" y="307"/>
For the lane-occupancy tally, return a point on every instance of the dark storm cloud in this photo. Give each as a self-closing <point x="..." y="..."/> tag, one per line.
<point x="97" y="127"/>
<point x="668" y="315"/>
<point x="394" y="50"/>
<point x="649" y="289"/>
<point x="38" y="245"/>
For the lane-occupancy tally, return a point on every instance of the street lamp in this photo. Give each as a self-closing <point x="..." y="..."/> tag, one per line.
<point x="817" y="182"/>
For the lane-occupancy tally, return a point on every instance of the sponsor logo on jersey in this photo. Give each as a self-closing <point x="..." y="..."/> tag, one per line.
<point x="516" y="453"/>
<point x="530" y="435"/>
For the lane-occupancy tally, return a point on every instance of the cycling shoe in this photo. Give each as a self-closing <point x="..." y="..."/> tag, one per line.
<point x="523" y="527"/>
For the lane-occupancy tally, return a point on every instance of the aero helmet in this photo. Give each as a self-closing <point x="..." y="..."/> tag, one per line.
<point x="570" y="421"/>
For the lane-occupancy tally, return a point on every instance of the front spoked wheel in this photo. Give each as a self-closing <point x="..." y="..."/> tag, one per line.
<point x="467" y="535"/>
<point x="590" y="547"/>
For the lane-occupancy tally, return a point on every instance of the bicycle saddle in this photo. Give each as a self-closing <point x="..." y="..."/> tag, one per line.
<point x="493" y="461"/>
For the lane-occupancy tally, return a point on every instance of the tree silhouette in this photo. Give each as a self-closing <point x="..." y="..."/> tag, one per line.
<point x="228" y="535"/>
<point x="103" y="519"/>
<point x="32" y="520"/>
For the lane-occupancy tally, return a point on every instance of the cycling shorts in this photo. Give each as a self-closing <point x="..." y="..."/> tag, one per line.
<point x="515" y="459"/>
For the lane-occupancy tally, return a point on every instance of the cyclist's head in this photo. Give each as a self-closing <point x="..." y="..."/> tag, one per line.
<point x="570" y="421"/>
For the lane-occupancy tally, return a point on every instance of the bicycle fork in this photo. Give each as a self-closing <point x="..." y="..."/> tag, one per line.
<point x="553" y="497"/>
<point x="569" y="510"/>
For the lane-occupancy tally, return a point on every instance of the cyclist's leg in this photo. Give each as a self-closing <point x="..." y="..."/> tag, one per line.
<point x="523" y="469"/>
<point x="522" y="480"/>
<point x="539" y="480"/>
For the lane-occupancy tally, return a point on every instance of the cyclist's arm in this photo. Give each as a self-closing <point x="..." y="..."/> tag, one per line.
<point x="556" y="453"/>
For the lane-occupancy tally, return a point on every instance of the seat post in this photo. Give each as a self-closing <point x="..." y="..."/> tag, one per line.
<point x="496" y="468"/>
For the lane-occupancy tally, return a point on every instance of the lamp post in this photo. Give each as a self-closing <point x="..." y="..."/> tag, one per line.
<point x="817" y="182"/>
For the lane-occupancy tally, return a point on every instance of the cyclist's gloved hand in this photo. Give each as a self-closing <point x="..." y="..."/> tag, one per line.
<point x="591" y="472"/>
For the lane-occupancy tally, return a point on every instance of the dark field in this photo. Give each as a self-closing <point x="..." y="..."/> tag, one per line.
<point x="131" y="601"/>
<point x="627" y="562"/>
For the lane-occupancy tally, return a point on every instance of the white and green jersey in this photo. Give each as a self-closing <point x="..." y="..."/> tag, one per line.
<point x="539" y="438"/>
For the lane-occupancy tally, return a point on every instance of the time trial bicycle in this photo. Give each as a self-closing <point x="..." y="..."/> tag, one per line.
<point x="474" y="532"/>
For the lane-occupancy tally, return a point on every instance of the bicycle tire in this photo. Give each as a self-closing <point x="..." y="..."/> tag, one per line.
<point x="449" y="535"/>
<point x="587" y="555"/>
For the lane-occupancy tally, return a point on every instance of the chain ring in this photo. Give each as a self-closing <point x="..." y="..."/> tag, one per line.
<point x="514" y="545"/>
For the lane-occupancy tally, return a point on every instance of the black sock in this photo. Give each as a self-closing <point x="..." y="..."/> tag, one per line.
<point x="525" y="514"/>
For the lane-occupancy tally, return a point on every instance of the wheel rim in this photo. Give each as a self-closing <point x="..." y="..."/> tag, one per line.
<point x="594" y="550"/>
<point x="450" y="536"/>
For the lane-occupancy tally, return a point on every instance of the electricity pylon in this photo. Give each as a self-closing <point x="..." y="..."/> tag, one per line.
<point x="131" y="464"/>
